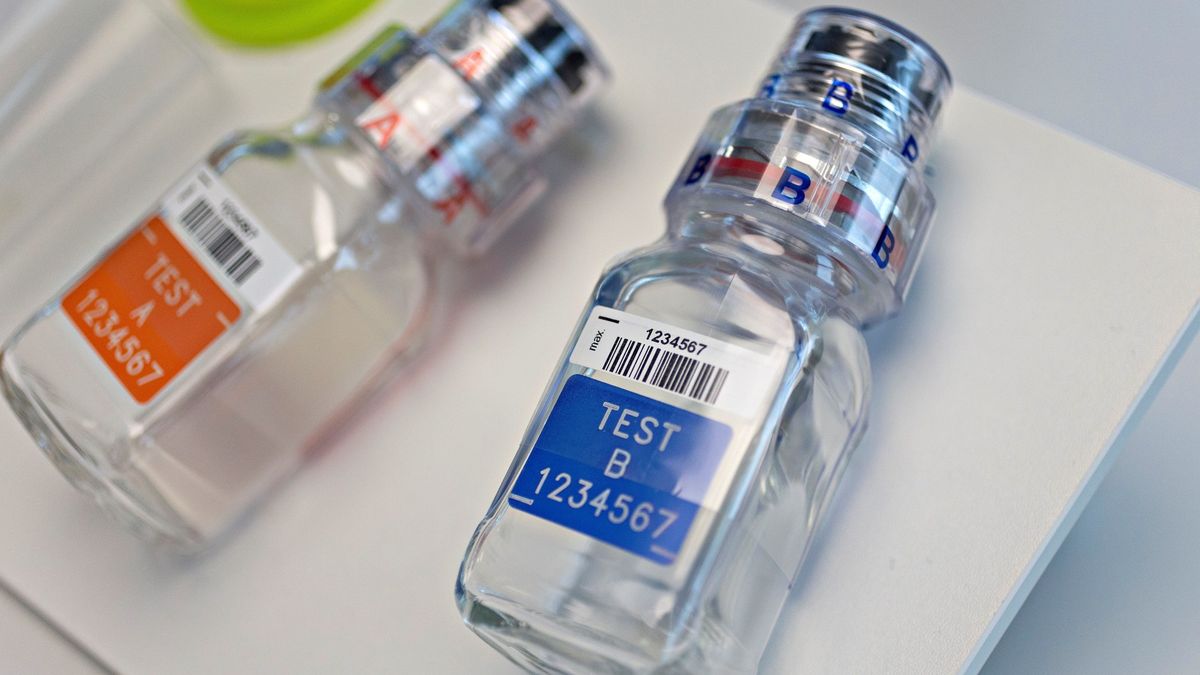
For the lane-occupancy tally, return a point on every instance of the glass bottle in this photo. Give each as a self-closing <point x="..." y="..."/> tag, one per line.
<point x="207" y="352"/>
<point x="667" y="488"/>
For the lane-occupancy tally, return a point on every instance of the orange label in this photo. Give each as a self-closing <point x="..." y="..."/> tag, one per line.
<point x="149" y="309"/>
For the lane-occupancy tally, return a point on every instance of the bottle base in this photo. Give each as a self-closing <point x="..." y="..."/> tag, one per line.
<point x="84" y="472"/>
<point x="524" y="639"/>
<point x="543" y="643"/>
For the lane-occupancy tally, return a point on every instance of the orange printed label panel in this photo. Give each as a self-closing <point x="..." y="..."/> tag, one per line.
<point x="149" y="309"/>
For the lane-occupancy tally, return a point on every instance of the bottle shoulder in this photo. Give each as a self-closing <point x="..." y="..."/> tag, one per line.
<point x="313" y="184"/>
<point x="716" y="282"/>
<point x="708" y="288"/>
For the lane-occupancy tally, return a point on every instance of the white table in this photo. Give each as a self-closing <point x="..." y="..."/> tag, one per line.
<point x="29" y="645"/>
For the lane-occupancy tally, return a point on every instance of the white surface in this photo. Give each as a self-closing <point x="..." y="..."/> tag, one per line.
<point x="28" y="646"/>
<point x="990" y="411"/>
<point x="1121" y="595"/>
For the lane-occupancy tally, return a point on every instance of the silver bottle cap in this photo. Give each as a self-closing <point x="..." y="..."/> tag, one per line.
<point x="465" y="108"/>
<point x="828" y="158"/>
<point x="897" y="81"/>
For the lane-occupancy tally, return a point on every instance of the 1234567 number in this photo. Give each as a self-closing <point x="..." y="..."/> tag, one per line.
<point x="619" y="508"/>
<point x="106" y="324"/>
<point x="681" y="343"/>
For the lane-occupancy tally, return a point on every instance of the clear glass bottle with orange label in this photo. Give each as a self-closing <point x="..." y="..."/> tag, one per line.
<point x="689" y="442"/>
<point x="208" y="351"/>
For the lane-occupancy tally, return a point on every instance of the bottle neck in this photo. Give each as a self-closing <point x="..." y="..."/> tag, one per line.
<point x="820" y="269"/>
<point x="359" y="177"/>
<point x="465" y="110"/>
<point x="817" y="187"/>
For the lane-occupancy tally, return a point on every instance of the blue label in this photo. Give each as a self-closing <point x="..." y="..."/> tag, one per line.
<point x="623" y="468"/>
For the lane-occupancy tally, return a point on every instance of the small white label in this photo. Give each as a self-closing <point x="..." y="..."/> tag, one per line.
<point x="214" y="221"/>
<point x="414" y="115"/>
<point x="691" y="365"/>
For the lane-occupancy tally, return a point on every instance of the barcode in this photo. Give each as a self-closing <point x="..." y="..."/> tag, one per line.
<point x="667" y="370"/>
<point x="222" y="244"/>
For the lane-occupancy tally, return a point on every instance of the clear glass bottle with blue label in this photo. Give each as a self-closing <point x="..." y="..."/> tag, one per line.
<point x="210" y="350"/>
<point x="667" y="488"/>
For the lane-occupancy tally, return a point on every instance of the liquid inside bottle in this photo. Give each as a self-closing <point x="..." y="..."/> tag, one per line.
<point x="206" y="353"/>
<point x="666" y="491"/>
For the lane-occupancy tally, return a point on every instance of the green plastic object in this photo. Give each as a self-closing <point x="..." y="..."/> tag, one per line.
<point x="266" y="23"/>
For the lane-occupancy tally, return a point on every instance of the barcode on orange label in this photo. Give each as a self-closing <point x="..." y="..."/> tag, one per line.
<point x="226" y="235"/>
<point x="148" y="309"/>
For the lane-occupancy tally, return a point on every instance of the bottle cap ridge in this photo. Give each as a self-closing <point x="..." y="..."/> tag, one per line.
<point x="829" y="156"/>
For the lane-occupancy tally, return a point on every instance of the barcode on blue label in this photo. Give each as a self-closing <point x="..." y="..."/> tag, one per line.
<point x="674" y="372"/>
<point x="685" y="363"/>
<point x="217" y="237"/>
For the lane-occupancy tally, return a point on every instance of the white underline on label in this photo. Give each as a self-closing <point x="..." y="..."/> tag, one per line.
<point x="655" y="548"/>
<point x="150" y="236"/>
<point x="224" y="320"/>
<point x="523" y="500"/>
